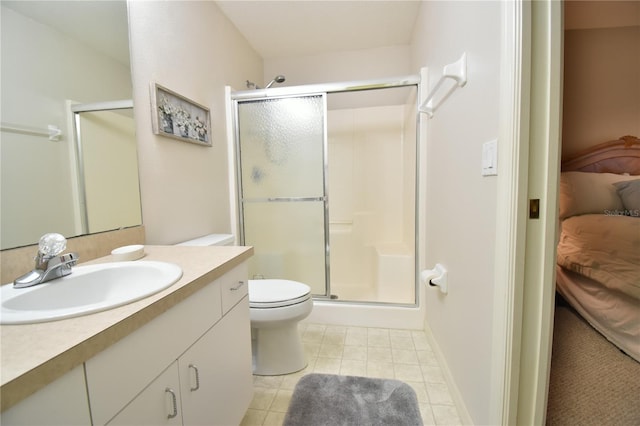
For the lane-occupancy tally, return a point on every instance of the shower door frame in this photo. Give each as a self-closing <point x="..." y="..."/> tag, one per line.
<point x="323" y="90"/>
<point x="325" y="199"/>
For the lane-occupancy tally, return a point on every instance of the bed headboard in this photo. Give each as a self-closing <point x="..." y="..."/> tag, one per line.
<point x="619" y="156"/>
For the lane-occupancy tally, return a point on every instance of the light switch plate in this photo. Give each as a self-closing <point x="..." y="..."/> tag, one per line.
<point x="490" y="158"/>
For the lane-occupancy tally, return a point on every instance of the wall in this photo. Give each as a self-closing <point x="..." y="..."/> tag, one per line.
<point x="460" y="203"/>
<point x="192" y="49"/>
<point x="370" y="200"/>
<point x="601" y="86"/>
<point x="341" y="66"/>
<point x="367" y="144"/>
<point x="581" y="14"/>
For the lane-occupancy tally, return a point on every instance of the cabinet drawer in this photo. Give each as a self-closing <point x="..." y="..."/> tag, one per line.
<point x="234" y="286"/>
<point x="117" y="374"/>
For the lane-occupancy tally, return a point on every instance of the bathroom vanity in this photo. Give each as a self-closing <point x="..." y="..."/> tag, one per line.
<point x="181" y="356"/>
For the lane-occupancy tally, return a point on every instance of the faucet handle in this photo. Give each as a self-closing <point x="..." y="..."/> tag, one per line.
<point x="52" y="244"/>
<point x="68" y="259"/>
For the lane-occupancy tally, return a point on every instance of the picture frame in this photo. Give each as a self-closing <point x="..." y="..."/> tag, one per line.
<point x="180" y="118"/>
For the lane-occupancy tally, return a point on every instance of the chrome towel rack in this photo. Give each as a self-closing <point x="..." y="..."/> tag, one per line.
<point x="457" y="72"/>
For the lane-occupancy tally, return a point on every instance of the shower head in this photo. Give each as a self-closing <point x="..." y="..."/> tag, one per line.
<point x="277" y="79"/>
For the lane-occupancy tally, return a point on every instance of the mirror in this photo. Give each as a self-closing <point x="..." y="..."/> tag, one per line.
<point x="56" y="55"/>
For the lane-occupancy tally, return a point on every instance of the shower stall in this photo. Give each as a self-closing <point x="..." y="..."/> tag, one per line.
<point x="326" y="179"/>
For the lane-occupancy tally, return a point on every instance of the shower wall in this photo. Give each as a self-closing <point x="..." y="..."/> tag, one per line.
<point x="371" y="157"/>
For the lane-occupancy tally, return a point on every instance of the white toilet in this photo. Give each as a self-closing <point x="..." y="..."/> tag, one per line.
<point x="275" y="308"/>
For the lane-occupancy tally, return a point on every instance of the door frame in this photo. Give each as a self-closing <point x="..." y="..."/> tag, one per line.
<point x="530" y="117"/>
<point x="240" y="200"/>
<point x="234" y="98"/>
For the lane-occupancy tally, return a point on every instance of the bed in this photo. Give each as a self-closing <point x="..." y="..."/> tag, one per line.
<point x="598" y="253"/>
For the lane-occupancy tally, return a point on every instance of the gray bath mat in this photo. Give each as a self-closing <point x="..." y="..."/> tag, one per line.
<point x="331" y="400"/>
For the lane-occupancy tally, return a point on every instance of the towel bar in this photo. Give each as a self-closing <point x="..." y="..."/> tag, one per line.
<point x="456" y="71"/>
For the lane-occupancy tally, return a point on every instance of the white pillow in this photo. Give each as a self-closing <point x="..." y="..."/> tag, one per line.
<point x="584" y="193"/>
<point x="629" y="192"/>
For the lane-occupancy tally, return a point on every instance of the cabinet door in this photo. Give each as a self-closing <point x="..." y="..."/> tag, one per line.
<point x="117" y="374"/>
<point x="63" y="402"/>
<point x="158" y="404"/>
<point x="215" y="373"/>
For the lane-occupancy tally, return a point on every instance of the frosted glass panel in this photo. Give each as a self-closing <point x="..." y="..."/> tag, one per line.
<point x="288" y="240"/>
<point x="281" y="147"/>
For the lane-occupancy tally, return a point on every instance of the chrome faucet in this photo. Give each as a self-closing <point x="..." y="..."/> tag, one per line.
<point x="49" y="263"/>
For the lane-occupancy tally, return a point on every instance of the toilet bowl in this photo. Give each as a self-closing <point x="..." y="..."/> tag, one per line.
<point x="276" y="306"/>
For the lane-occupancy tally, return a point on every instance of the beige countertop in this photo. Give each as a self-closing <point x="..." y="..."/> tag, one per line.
<point x="34" y="355"/>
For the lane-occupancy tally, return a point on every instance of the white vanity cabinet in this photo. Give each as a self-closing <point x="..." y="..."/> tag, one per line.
<point x="158" y="404"/>
<point x="191" y="365"/>
<point x="63" y="402"/>
<point x="215" y="387"/>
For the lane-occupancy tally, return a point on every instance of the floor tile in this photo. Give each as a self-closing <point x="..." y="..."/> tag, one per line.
<point x="351" y="367"/>
<point x="404" y="356"/>
<point x="359" y="351"/>
<point x="439" y="394"/>
<point x="262" y="398"/>
<point x="254" y="417"/>
<point x="327" y="365"/>
<point x="445" y="415"/>
<point x="281" y="401"/>
<point x="331" y="351"/>
<point x="379" y="354"/>
<point x="407" y="372"/>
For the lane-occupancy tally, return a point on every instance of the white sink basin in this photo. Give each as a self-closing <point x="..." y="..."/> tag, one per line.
<point x="89" y="289"/>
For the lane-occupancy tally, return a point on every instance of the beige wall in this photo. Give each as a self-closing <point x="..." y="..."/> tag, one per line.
<point x="192" y="49"/>
<point x="460" y="203"/>
<point x="601" y="86"/>
<point x="351" y="65"/>
<point x="583" y="14"/>
<point x="371" y="192"/>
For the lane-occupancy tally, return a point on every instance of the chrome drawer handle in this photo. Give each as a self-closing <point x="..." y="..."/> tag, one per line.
<point x="195" y="368"/>
<point x="174" y="401"/>
<point x="240" y="284"/>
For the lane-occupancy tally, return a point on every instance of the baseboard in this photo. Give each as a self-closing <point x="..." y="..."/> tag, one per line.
<point x="366" y="315"/>
<point x="453" y="389"/>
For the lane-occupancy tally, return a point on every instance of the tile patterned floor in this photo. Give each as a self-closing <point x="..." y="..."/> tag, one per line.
<point x="360" y="351"/>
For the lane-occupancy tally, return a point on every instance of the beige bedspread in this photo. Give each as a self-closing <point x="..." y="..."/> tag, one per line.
<point x="605" y="248"/>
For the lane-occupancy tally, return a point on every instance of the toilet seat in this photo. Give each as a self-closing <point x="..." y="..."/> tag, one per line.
<point x="276" y="293"/>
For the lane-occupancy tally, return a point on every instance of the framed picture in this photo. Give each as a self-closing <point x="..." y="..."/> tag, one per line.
<point x="180" y="118"/>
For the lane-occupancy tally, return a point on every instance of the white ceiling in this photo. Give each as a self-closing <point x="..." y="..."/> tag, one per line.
<point x="275" y="29"/>
<point x="278" y="29"/>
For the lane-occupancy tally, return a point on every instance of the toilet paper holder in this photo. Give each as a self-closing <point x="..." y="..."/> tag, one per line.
<point x="436" y="277"/>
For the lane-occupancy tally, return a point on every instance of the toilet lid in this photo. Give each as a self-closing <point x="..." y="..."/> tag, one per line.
<point x="277" y="293"/>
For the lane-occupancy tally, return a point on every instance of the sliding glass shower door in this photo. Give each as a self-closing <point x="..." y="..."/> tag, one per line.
<point x="283" y="203"/>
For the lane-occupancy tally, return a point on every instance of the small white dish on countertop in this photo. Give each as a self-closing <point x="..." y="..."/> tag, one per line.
<point x="125" y="253"/>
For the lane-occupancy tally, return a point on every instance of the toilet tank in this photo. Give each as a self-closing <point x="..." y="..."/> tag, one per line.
<point x="211" y="240"/>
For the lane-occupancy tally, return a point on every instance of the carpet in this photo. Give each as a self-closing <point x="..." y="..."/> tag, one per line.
<point x="592" y="382"/>
<point x="332" y="400"/>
